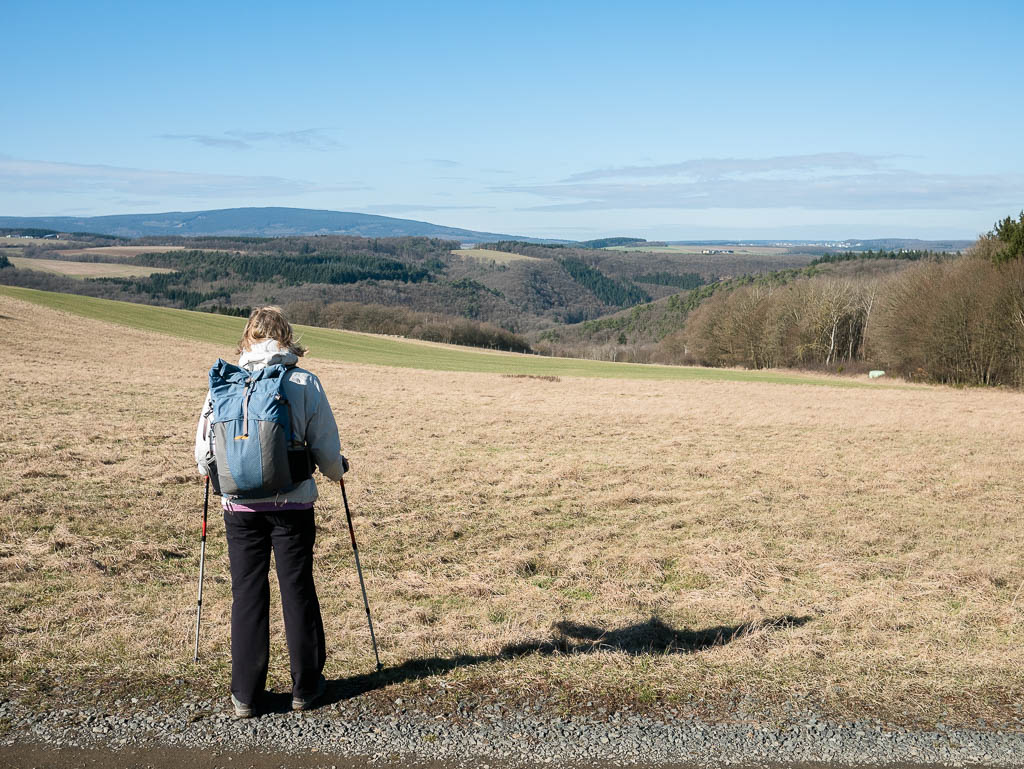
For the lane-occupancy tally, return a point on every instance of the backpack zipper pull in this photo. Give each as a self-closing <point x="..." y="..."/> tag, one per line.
<point x="245" y="411"/>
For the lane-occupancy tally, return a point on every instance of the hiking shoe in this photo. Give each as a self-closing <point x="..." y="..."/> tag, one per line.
<point x="301" y="704"/>
<point x="241" y="709"/>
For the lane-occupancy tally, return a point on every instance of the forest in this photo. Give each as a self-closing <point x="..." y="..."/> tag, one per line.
<point x="955" y="319"/>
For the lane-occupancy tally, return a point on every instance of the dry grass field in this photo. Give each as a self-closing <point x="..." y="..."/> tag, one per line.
<point x="588" y="540"/>
<point x="84" y="269"/>
<point x="498" y="257"/>
<point x="14" y="246"/>
<point x="120" y="250"/>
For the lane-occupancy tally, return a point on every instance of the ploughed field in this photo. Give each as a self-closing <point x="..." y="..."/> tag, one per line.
<point x="583" y="539"/>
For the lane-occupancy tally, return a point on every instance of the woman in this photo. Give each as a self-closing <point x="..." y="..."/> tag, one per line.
<point x="282" y="523"/>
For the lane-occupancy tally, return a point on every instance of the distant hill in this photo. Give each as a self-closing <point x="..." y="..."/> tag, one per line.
<point x="913" y="244"/>
<point x="255" y="222"/>
<point x="808" y="246"/>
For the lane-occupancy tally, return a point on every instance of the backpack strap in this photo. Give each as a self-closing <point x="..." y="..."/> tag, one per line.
<point x="206" y="419"/>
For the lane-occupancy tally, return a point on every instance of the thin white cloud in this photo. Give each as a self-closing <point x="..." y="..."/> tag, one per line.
<point x="828" y="181"/>
<point x="73" y="178"/>
<point x="308" y="138"/>
<point x="219" y="142"/>
<point x="718" y="168"/>
<point x="311" y="138"/>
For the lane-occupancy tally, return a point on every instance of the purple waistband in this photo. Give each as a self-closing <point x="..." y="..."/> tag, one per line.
<point x="265" y="507"/>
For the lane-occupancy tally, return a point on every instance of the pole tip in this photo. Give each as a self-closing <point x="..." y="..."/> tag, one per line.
<point x="380" y="666"/>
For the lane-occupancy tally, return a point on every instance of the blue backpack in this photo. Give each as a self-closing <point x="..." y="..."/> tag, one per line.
<point x="251" y="433"/>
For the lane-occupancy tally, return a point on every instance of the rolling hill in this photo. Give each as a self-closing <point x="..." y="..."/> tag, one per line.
<point x="256" y="222"/>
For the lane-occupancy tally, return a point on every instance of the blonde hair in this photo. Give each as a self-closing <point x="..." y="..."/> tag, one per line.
<point x="269" y="323"/>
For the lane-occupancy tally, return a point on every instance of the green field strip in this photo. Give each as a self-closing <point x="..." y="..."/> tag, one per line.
<point x="352" y="347"/>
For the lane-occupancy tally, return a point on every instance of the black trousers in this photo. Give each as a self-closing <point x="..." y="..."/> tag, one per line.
<point x="251" y="537"/>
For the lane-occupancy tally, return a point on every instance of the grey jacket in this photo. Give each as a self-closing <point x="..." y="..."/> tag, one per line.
<point x="312" y="422"/>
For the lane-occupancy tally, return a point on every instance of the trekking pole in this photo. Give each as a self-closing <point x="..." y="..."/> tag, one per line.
<point x="359" y="569"/>
<point x="202" y="567"/>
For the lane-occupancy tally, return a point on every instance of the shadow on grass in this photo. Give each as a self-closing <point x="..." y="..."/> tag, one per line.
<point x="651" y="637"/>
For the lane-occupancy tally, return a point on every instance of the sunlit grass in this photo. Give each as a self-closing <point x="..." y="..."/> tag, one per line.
<point x="329" y="344"/>
<point x="586" y="539"/>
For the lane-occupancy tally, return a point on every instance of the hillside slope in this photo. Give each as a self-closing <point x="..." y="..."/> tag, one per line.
<point x="261" y="222"/>
<point x="351" y="347"/>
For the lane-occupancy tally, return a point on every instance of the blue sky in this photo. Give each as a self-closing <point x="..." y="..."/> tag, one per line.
<point x="565" y="119"/>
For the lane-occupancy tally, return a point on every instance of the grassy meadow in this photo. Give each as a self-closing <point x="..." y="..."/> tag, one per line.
<point x="85" y="269"/>
<point x="119" y="250"/>
<point x="584" y="537"/>
<point x="498" y="257"/>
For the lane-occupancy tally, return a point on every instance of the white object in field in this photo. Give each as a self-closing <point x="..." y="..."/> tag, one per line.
<point x="875" y="374"/>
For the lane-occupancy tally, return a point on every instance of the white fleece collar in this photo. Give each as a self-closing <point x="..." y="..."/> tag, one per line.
<point x="266" y="353"/>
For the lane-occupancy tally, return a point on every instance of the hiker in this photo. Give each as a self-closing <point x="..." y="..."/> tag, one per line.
<point x="284" y="521"/>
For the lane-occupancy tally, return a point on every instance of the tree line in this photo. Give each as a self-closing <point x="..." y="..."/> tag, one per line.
<point x="409" y="249"/>
<point x="319" y="267"/>
<point x="608" y="242"/>
<point x="202" y="277"/>
<point x="685" y="281"/>
<point x="399" y="321"/>
<point x="118" y="289"/>
<point x="912" y="255"/>
<point x="953" y="320"/>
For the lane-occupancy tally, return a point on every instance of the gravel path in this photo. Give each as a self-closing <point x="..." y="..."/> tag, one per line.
<point x="479" y="734"/>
